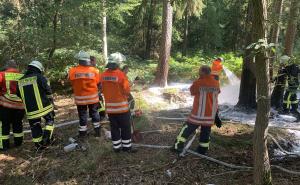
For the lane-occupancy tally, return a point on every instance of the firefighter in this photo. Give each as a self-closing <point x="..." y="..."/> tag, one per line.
<point x="217" y="67"/>
<point x="290" y="101"/>
<point x="36" y="94"/>
<point x="11" y="106"/>
<point x="280" y="81"/>
<point x="85" y="80"/>
<point x="101" y="107"/>
<point x="204" y="113"/>
<point x="116" y="89"/>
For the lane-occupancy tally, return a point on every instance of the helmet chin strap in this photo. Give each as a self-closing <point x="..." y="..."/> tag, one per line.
<point x="85" y="63"/>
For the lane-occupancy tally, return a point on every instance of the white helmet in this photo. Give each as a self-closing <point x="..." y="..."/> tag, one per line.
<point x="116" y="58"/>
<point x="284" y="59"/>
<point x="84" y="56"/>
<point x="38" y="65"/>
<point x="221" y="59"/>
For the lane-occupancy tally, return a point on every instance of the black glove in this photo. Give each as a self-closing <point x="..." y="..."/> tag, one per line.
<point x="218" y="121"/>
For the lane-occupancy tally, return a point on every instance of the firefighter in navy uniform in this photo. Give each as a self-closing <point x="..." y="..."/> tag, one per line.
<point x="290" y="101"/>
<point x="36" y="95"/>
<point x="204" y="113"/>
<point x="11" y="106"/>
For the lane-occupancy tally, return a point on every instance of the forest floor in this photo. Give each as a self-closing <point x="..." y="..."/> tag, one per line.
<point x="100" y="165"/>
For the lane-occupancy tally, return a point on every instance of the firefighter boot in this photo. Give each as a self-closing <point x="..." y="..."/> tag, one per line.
<point x="82" y="135"/>
<point x="18" y="141"/>
<point x="4" y="144"/>
<point x="202" y="150"/>
<point x="177" y="147"/>
<point x="129" y="150"/>
<point x="97" y="131"/>
<point x="48" y="134"/>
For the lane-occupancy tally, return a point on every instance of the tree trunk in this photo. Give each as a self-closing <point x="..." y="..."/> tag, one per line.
<point x="262" y="168"/>
<point x="186" y="29"/>
<point x="165" y="50"/>
<point x="247" y="96"/>
<point x="292" y="28"/>
<point x="54" y="39"/>
<point x="275" y="31"/>
<point x="150" y="29"/>
<point x="104" y="35"/>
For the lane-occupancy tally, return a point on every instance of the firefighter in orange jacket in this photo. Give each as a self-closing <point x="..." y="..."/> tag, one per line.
<point x="217" y="67"/>
<point x="11" y="106"/>
<point x="116" y="89"/>
<point x="85" y="81"/>
<point x="204" y="113"/>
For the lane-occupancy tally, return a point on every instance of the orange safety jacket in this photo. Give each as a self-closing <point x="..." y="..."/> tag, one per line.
<point x="85" y="80"/>
<point x="216" y="67"/>
<point x="116" y="89"/>
<point x="205" y="90"/>
<point x="8" y="89"/>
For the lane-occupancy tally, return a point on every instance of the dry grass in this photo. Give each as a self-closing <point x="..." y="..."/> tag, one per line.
<point x="100" y="165"/>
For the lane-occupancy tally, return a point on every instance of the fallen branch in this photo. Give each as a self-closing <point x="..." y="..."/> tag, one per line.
<point x="218" y="161"/>
<point x="280" y="147"/>
<point x="225" y="173"/>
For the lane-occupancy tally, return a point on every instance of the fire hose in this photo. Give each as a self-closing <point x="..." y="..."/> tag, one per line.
<point x="191" y="152"/>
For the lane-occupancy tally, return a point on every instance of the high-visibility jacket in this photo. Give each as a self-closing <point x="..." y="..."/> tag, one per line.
<point x="35" y="93"/>
<point x="116" y="89"/>
<point x="85" y="80"/>
<point x="216" y="67"/>
<point x="205" y="91"/>
<point x="8" y="89"/>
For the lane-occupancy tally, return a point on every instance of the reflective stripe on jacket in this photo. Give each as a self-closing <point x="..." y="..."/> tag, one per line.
<point x="8" y="85"/>
<point x="116" y="89"/>
<point x="85" y="80"/>
<point x="36" y="103"/>
<point x="216" y="67"/>
<point x="205" y="90"/>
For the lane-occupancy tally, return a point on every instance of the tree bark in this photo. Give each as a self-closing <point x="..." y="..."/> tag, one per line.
<point x="247" y="96"/>
<point x="104" y="33"/>
<point x="292" y="28"/>
<point x="275" y="31"/>
<point x="54" y="39"/>
<point x="150" y="29"/>
<point x="185" y="36"/>
<point x="262" y="168"/>
<point x="165" y="50"/>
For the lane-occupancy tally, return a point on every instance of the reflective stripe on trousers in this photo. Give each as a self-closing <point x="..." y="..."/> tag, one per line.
<point x="117" y="144"/>
<point x="2" y="137"/>
<point x="126" y="143"/>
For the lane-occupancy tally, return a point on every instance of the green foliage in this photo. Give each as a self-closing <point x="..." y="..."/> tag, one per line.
<point x="182" y="68"/>
<point x="233" y="63"/>
<point x="63" y="60"/>
<point x="193" y="7"/>
<point x="145" y="70"/>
